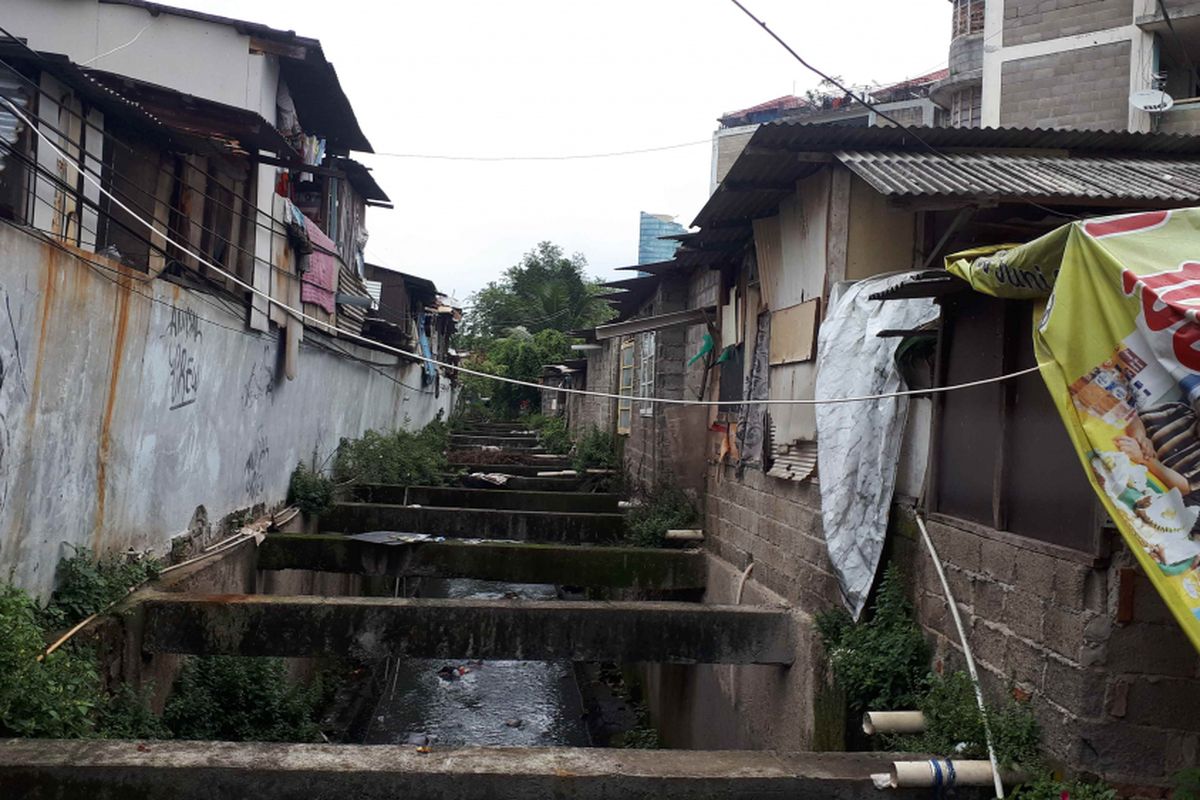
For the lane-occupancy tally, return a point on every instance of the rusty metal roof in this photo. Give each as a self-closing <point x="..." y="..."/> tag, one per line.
<point x="1012" y="176"/>
<point x="363" y="181"/>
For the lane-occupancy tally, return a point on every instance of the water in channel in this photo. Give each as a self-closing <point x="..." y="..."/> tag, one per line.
<point x="487" y="703"/>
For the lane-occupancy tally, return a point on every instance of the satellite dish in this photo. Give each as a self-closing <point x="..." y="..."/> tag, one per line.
<point x="1155" y="101"/>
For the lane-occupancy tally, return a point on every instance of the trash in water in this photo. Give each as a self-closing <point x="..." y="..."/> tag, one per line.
<point x="514" y="723"/>
<point x="447" y="673"/>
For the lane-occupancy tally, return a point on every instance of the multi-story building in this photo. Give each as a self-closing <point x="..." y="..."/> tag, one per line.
<point x="652" y="246"/>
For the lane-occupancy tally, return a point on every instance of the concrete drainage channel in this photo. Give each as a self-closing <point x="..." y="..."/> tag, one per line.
<point x="302" y="596"/>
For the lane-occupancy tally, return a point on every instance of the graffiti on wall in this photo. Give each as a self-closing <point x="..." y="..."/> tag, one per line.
<point x="256" y="466"/>
<point x="260" y="383"/>
<point x="183" y="337"/>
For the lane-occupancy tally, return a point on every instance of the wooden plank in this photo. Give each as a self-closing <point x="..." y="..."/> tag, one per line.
<point x="769" y="249"/>
<point x="837" y="232"/>
<point x="794" y="333"/>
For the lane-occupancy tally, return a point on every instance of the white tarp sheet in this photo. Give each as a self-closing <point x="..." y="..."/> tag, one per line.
<point x="858" y="444"/>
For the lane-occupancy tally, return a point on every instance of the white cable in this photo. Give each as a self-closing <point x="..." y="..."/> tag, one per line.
<point x="333" y="330"/>
<point x="970" y="658"/>
<point x="118" y="48"/>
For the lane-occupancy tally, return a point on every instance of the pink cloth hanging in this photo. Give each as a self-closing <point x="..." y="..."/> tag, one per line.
<point x="319" y="283"/>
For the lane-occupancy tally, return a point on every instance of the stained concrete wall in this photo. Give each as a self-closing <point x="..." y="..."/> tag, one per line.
<point x="126" y="404"/>
<point x="1083" y="88"/>
<point x="1028" y="21"/>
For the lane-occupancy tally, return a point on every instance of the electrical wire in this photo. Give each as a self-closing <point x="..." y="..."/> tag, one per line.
<point x="322" y="324"/>
<point x="566" y="157"/>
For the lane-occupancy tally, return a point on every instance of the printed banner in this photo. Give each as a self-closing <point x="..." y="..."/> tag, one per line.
<point x="1118" y="344"/>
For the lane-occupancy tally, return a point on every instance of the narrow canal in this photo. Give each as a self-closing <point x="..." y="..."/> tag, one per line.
<point x="493" y="703"/>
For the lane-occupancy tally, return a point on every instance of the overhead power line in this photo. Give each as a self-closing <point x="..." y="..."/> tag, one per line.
<point x="566" y="157"/>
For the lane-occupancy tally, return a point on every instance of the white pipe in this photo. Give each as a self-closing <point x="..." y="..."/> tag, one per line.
<point x="893" y="722"/>
<point x="940" y="773"/>
<point x="962" y="637"/>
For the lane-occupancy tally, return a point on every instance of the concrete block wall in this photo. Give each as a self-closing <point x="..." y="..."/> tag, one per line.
<point x="1028" y="21"/>
<point x="1121" y="699"/>
<point x="1082" y="88"/>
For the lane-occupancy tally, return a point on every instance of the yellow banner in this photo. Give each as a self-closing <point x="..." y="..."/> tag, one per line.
<point x="1118" y="344"/>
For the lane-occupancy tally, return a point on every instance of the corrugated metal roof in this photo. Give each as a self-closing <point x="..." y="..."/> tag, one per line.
<point x="1008" y="175"/>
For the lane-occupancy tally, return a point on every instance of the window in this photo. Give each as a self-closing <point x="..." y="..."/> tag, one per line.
<point x="646" y="344"/>
<point x="966" y="108"/>
<point x="968" y="17"/>
<point x="625" y="390"/>
<point x="1000" y="455"/>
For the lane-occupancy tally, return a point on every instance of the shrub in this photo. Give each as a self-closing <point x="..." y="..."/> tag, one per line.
<point x="55" y="697"/>
<point x="242" y="700"/>
<point x="87" y="586"/>
<point x="1049" y="788"/>
<point x="400" y="457"/>
<point x="126" y="714"/>
<point x="881" y="664"/>
<point x="954" y="725"/>
<point x="311" y="491"/>
<point x="554" y="434"/>
<point x="663" y="508"/>
<point x="597" y="449"/>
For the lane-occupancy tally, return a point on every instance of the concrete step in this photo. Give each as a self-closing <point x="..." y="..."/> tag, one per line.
<point x="458" y="497"/>
<point x="519" y="443"/>
<point x="525" y="469"/>
<point x="476" y="523"/>
<point x="522" y="630"/>
<point x="568" y="565"/>
<point x="169" y="770"/>
<point x="516" y="482"/>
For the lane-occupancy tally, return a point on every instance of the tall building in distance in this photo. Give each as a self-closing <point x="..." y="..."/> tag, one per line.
<point x="651" y="246"/>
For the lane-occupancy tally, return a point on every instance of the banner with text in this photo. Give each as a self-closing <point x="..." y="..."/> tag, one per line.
<point x="1118" y="344"/>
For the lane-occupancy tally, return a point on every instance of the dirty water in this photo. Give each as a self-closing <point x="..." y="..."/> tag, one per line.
<point x="489" y="703"/>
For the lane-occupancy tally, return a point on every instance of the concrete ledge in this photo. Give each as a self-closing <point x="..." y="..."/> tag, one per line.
<point x="517" y="483"/>
<point x="522" y="443"/>
<point x="517" y="500"/>
<point x="475" y="523"/>
<point x="538" y="630"/>
<point x="99" y="770"/>
<point x="566" y="565"/>
<point x="526" y="468"/>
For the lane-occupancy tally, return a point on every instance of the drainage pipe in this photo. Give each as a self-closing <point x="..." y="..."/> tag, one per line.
<point x="893" y="722"/>
<point x="943" y="773"/>
<point x="997" y="782"/>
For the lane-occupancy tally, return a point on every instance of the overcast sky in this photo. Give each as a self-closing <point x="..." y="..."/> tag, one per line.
<point x="551" y="77"/>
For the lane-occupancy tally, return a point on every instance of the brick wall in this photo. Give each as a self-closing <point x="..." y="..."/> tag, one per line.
<point x="1083" y="88"/>
<point x="585" y="411"/>
<point x="1036" y="20"/>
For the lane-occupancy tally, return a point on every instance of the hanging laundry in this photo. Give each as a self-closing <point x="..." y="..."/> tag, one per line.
<point x="319" y="282"/>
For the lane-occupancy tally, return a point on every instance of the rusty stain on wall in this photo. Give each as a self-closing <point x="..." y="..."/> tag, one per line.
<point x="124" y="288"/>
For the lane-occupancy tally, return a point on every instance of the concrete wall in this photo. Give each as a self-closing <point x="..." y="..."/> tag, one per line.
<point x="125" y="405"/>
<point x="1083" y="88"/>
<point x="1028" y="21"/>
<point x="161" y="49"/>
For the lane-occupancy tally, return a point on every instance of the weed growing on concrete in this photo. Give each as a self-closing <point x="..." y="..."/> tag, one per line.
<point x="399" y="457"/>
<point x="1185" y="784"/>
<point x="553" y="433"/>
<point x="597" y="449"/>
<point x="309" y="490"/>
<point x="954" y="725"/>
<point x="56" y="697"/>
<point x="87" y="585"/>
<point x="126" y="714"/>
<point x="663" y="508"/>
<point x="242" y="700"/>
<point x="881" y="663"/>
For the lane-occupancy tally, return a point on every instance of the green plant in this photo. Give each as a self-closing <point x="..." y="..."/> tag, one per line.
<point x="87" y="585"/>
<point x="126" y="714"/>
<point x="954" y="725"/>
<point x="55" y="697"/>
<point x="1186" y="784"/>
<point x="554" y="435"/>
<point x="881" y="664"/>
<point x="243" y="700"/>
<point x="1047" y="787"/>
<point x="400" y="457"/>
<point x="663" y="508"/>
<point x="311" y="491"/>
<point x="596" y="449"/>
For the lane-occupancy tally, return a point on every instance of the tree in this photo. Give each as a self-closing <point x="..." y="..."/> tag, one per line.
<point x="519" y="355"/>
<point x="546" y="291"/>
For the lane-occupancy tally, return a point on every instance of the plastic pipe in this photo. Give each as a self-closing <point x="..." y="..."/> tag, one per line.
<point x="970" y="658"/>
<point x="941" y="773"/>
<point x="893" y="722"/>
